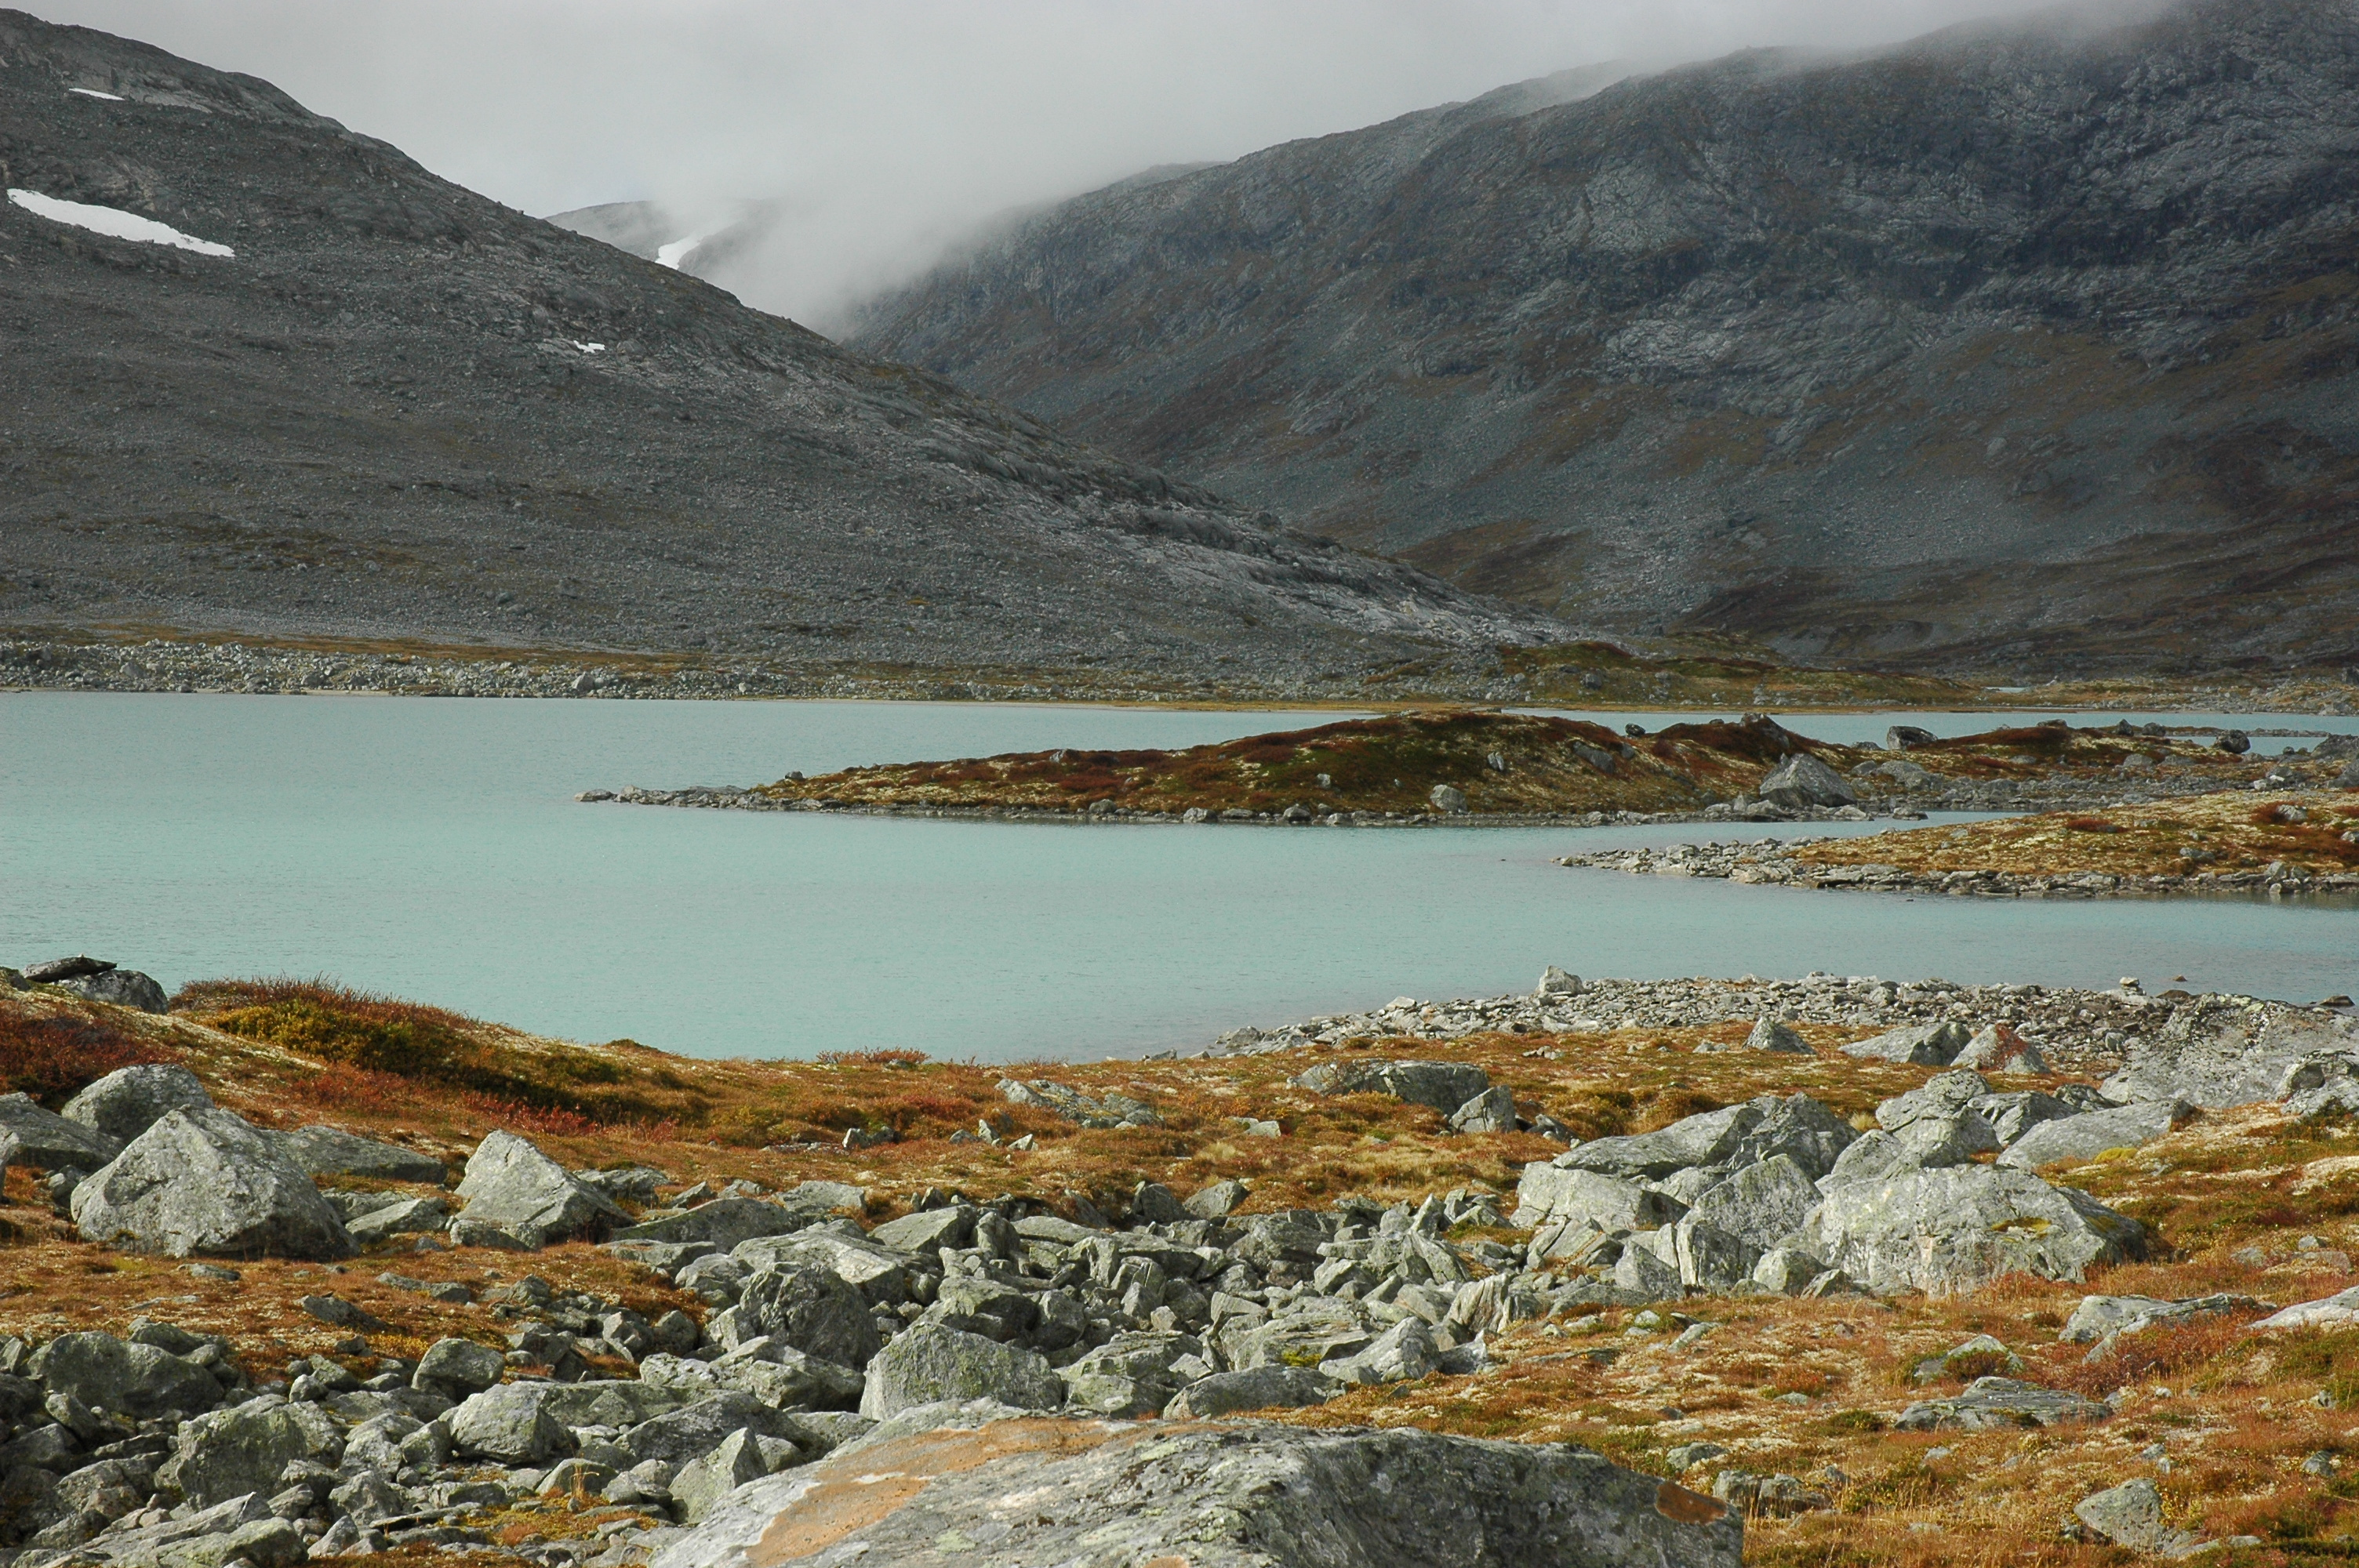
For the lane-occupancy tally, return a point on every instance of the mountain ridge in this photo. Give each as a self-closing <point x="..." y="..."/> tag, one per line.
<point x="402" y="411"/>
<point x="2017" y="346"/>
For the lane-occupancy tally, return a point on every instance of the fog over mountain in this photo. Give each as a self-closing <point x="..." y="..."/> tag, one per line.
<point x="880" y="134"/>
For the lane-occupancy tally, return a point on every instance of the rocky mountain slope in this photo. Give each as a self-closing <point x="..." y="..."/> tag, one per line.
<point x="2024" y="346"/>
<point x="396" y="411"/>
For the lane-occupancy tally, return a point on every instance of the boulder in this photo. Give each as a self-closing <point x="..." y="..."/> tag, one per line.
<point x="1774" y="1035"/>
<point x="723" y="1223"/>
<point x="1802" y="781"/>
<point x="2216" y="1054"/>
<point x="1797" y="1126"/>
<point x="2086" y="1136"/>
<point x="2338" y="1311"/>
<point x="1444" y="1086"/>
<point x="329" y="1151"/>
<point x="404" y="1216"/>
<point x="1958" y="1228"/>
<point x="1934" y="1141"/>
<point x="1493" y="1110"/>
<point x="811" y="1309"/>
<point x="456" y="1369"/>
<point x="1711" y="1138"/>
<point x="1760" y="1204"/>
<point x="124" y="988"/>
<point x="1230" y="1493"/>
<point x="882" y="1277"/>
<point x="1711" y="1259"/>
<point x="1556" y="982"/>
<point x="206" y="1183"/>
<point x="1924" y="1044"/>
<point x="1217" y="1201"/>
<point x="129" y="1100"/>
<point x="1871" y="1157"/>
<point x="125" y="1377"/>
<point x="708" y="1477"/>
<point x="2001" y="1404"/>
<point x="1402" y="1353"/>
<point x="925" y="1364"/>
<point x="1998" y="1048"/>
<point x="244" y="1448"/>
<point x="2013" y="1114"/>
<point x="1906" y="738"/>
<point x="1131" y="1374"/>
<point x="510" y="1425"/>
<point x="513" y="1190"/>
<point x="1551" y="1194"/>
<point x="1256" y="1388"/>
<point x="1446" y="799"/>
<point x="1943" y="1095"/>
<point x="2131" y="1515"/>
<point x="54" y="971"/>
<point x="926" y="1232"/>
<point x="41" y="1140"/>
<point x="2107" y="1317"/>
<point x="680" y="1436"/>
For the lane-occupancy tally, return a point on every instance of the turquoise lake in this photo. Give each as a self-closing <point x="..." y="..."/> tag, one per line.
<point x="431" y="848"/>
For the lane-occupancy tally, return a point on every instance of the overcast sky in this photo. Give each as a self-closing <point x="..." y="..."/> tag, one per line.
<point x="893" y="126"/>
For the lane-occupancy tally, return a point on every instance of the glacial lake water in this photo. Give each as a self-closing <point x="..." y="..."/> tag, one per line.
<point x="431" y="848"/>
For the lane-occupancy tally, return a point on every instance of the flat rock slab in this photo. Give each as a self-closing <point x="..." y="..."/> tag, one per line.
<point x="1154" y="1494"/>
<point x="331" y="1151"/>
<point x="726" y="1223"/>
<point x="2337" y="1311"/>
<point x="2091" y="1133"/>
<point x="33" y="1136"/>
<point x="1995" y="1404"/>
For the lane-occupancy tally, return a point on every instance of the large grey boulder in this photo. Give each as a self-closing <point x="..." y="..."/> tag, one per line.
<point x="929" y="1231"/>
<point x="1944" y="1094"/>
<point x="1552" y="1194"/>
<point x="1760" y="1204"/>
<point x="403" y="1217"/>
<point x="1924" y="1044"/>
<point x="1802" y="781"/>
<point x="2131" y="1515"/>
<point x="684" y="1434"/>
<point x="1493" y="1110"/>
<point x="245" y="1447"/>
<point x="2108" y="1317"/>
<point x="1802" y="1129"/>
<point x="458" y="1369"/>
<point x="2338" y="1311"/>
<point x="1256" y="1388"/>
<point x="2086" y="1136"/>
<point x="1959" y="1229"/>
<point x="126" y="1378"/>
<point x="927" y="1363"/>
<point x="510" y="1424"/>
<point x="881" y="1275"/>
<point x="206" y="1183"/>
<point x="1402" y="1353"/>
<point x="2217" y="1053"/>
<point x="1131" y="1374"/>
<point x="1777" y="1035"/>
<point x="2001" y="1404"/>
<point x="724" y="1223"/>
<point x="124" y="988"/>
<point x="1216" y="1497"/>
<point x="1934" y="1141"/>
<point x="1712" y="1137"/>
<point x="129" y="1100"/>
<point x="708" y="1477"/>
<point x="2013" y="1114"/>
<point x="813" y="1310"/>
<point x="1444" y="1086"/>
<point x="514" y="1191"/>
<point x="41" y="1140"/>
<point x="331" y="1152"/>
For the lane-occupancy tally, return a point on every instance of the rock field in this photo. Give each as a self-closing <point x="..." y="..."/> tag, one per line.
<point x="625" y="1367"/>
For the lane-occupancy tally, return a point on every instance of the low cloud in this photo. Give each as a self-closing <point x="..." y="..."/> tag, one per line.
<point x="884" y="129"/>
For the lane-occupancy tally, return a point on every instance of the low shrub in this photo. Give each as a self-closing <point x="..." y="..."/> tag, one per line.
<point x="53" y="1059"/>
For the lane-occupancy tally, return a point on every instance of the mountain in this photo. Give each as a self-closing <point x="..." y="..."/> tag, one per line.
<point x="396" y="410"/>
<point x="708" y="249"/>
<point x="2027" y="346"/>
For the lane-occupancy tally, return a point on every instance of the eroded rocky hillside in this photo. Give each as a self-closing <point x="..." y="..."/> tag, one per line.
<point x="2025" y="346"/>
<point x="375" y="408"/>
